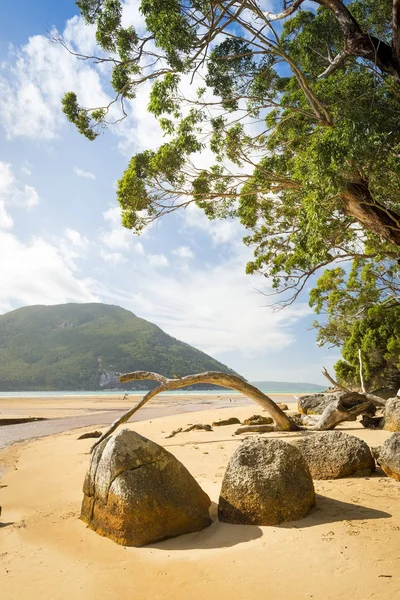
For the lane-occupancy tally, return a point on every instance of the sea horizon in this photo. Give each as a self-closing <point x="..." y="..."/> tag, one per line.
<point x="106" y="393"/>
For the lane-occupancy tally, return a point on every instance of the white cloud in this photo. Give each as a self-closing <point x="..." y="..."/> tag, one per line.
<point x="226" y="231"/>
<point x="113" y="215"/>
<point x="215" y="308"/>
<point x="117" y="238"/>
<point x="81" y="173"/>
<point x="131" y="15"/>
<point x="13" y="194"/>
<point x="76" y="238"/>
<point x="36" y="77"/>
<point x="113" y="258"/>
<point x="157" y="260"/>
<point x="38" y="272"/>
<point x="183" y="252"/>
<point x="6" y="221"/>
<point x="26" y="169"/>
<point x="28" y="196"/>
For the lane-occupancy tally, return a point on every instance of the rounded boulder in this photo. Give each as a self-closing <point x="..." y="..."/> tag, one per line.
<point x="334" y="454"/>
<point x="391" y="415"/>
<point x="137" y="493"/>
<point x="388" y="456"/>
<point x="267" y="482"/>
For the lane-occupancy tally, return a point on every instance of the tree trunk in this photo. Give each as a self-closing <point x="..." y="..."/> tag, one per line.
<point x="357" y="43"/>
<point x="359" y="204"/>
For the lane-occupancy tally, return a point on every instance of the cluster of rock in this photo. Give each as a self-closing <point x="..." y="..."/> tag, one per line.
<point x="387" y="416"/>
<point x="137" y="493"/>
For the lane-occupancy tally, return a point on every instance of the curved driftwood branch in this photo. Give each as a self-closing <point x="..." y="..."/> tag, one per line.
<point x="334" y="414"/>
<point x="283" y="422"/>
<point x="333" y="382"/>
<point x="376" y="400"/>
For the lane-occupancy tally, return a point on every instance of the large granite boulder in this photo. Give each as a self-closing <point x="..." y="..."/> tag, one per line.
<point x="136" y="493"/>
<point x="334" y="454"/>
<point x="388" y="456"/>
<point x="391" y="415"/>
<point x="385" y="392"/>
<point x="315" y="404"/>
<point x="266" y="482"/>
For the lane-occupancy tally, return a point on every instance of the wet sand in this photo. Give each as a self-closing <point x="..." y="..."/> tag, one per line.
<point x="69" y="413"/>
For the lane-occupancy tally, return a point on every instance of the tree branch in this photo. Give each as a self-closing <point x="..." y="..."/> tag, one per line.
<point x="335" y="64"/>
<point x="333" y="382"/>
<point x="283" y="422"/>
<point x="286" y="13"/>
<point x="361" y="371"/>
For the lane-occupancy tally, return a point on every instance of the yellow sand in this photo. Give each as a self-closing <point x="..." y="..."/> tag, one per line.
<point x="345" y="549"/>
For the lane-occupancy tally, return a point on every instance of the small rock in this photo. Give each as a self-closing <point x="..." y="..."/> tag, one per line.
<point x="334" y="454"/>
<point x="388" y="456"/>
<point x="90" y="434"/>
<point x="371" y="422"/>
<point x="266" y="482"/>
<point x="198" y="427"/>
<point x="254" y="429"/>
<point x="258" y="420"/>
<point x="230" y="421"/>
<point x="282" y="406"/>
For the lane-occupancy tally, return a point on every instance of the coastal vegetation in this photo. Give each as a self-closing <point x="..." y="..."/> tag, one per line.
<point x="297" y="114"/>
<point x="86" y="347"/>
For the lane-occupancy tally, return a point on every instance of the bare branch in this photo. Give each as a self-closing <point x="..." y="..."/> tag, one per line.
<point x="335" y="383"/>
<point x="361" y="371"/>
<point x="286" y="13"/>
<point x="335" y="64"/>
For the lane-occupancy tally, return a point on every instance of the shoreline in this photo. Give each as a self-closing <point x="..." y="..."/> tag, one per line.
<point x="348" y="544"/>
<point x="68" y="415"/>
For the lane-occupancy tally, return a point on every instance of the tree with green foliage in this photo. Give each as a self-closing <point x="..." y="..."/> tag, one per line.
<point x="299" y="109"/>
<point x="362" y="313"/>
<point x="301" y="118"/>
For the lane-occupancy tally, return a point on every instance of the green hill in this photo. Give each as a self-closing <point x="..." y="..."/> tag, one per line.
<point x="86" y="346"/>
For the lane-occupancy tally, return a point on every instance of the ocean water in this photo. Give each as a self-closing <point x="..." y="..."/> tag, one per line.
<point x="120" y="393"/>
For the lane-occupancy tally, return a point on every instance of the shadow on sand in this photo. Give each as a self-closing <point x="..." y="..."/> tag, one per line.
<point x="330" y="510"/>
<point x="218" y="535"/>
<point x="224" y="535"/>
<point x="6" y="524"/>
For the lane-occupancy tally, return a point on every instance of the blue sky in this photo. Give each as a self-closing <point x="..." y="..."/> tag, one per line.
<point x="60" y="234"/>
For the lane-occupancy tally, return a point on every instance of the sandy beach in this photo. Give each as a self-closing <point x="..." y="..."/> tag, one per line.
<point x="348" y="546"/>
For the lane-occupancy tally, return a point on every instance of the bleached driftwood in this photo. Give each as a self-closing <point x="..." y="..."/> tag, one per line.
<point x="196" y="427"/>
<point x="364" y="396"/>
<point x="328" y="420"/>
<point x="282" y="421"/>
